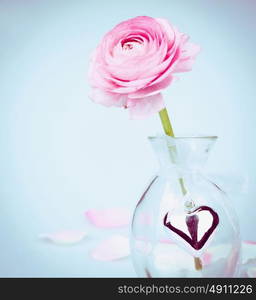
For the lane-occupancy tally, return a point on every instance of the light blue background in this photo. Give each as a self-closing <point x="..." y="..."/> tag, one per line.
<point x="61" y="154"/>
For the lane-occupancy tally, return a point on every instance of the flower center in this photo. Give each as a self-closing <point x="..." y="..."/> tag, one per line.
<point x="127" y="46"/>
<point x="132" y="44"/>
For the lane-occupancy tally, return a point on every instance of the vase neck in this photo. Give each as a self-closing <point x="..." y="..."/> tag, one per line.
<point x="188" y="154"/>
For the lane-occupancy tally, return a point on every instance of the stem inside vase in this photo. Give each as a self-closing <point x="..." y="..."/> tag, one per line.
<point x="166" y="123"/>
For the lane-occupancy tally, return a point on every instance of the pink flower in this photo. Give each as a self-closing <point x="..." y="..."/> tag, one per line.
<point x="135" y="61"/>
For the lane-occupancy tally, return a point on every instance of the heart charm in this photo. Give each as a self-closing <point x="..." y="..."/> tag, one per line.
<point x="192" y="221"/>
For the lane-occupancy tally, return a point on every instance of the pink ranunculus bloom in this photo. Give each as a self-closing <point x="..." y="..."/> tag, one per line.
<point x="135" y="61"/>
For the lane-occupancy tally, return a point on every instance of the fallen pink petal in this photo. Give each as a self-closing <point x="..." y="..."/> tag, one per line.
<point x="248" y="267"/>
<point x="166" y="241"/>
<point x="67" y="237"/>
<point x="250" y="242"/>
<point x="114" y="248"/>
<point x="248" y="250"/>
<point x="251" y="272"/>
<point x="108" y="218"/>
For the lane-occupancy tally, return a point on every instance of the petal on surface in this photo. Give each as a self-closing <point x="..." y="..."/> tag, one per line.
<point x="248" y="250"/>
<point x="113" y="248"/>
<point x="167" y="241"/>
<point x="107" y="218"/>
<point x="247" y="269"/>
<point x="251" y="272"/>
<point x="248" y="266"/>
<point x="67" y="237"/>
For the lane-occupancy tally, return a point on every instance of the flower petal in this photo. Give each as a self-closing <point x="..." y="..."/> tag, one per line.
<point x="187" y="59"/>
<point x="246" y="269"/>
<point x="141" y="108"/>
<point x="251" y="272"/>
<point x="248" y="250"/>
<point x="248" y="259"/>
<point x="67" y="237"/>
<point x="114" y="217"/>
<point x="113" y="248"/>
<point x="152" y="89"/>
<point x="136" y="60"/>
<point x="107" y="98"/>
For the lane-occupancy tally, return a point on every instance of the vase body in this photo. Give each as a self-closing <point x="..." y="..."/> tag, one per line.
<point x="184" y="225"/>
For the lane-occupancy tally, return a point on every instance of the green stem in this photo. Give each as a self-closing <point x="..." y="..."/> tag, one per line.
<point x="166" y="122"/>
<point x="167" y="126"/>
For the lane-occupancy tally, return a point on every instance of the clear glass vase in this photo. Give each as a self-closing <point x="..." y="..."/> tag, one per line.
<point x="184" y="225"/>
